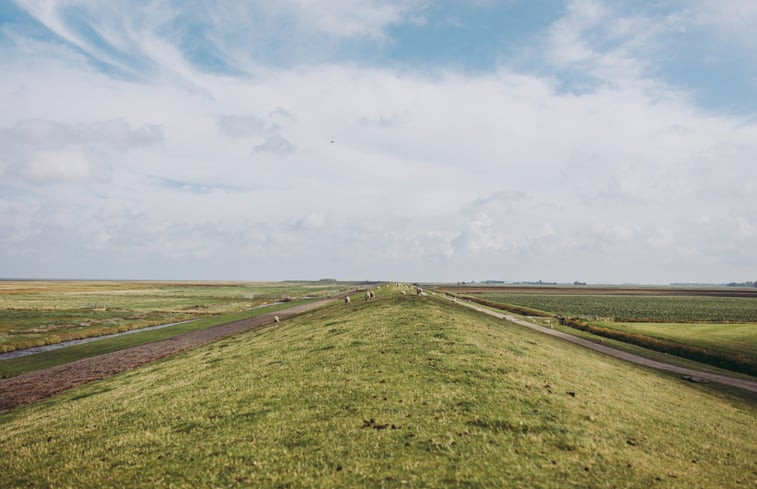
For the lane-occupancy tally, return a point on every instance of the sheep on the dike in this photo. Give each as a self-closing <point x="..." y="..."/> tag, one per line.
<point x="346" y="299"/>
<point x="276" y="319"/>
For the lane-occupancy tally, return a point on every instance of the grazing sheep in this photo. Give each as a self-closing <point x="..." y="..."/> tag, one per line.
<point x="346" y="299"/>
<point x="373" y="294"/>
<point x="419" y="291"/>
<point x="368" y="296"/>
<point x="403" y="292"/>
<point x="276" y="319"/>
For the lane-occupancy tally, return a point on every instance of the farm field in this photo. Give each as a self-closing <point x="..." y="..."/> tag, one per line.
<point x="643" y="305"/>
<point x="402" y="391"/>
<point x="718" y="326"/>
<point x="42" y="313"/>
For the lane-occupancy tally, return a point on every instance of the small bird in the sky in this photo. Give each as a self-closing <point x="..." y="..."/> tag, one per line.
<point x="332" y="141"/>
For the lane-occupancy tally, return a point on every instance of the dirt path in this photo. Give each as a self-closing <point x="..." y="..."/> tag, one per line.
<point x="33" y="386"/>
<point x="692" y="374"/>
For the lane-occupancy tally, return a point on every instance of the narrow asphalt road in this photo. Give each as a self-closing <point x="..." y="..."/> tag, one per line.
<point x="696" y="375"/>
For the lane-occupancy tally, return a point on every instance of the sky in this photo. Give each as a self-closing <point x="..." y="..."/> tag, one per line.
<point x="412" y="140"/>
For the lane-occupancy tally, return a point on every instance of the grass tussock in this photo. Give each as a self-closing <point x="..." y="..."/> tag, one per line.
<point x="401" y="391"/>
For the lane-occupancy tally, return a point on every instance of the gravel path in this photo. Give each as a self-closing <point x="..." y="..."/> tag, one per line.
<point x="33" y="386"/>
<point x="688" y="373"/>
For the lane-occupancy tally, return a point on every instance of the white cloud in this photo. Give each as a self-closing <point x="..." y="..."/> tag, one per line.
<point x="484" y="169"/>
<point x="275" y="145"/>
<point x="311" y="222"/>
<point x="600" y="44"/>
<point x="141" y="39"/>
<point x="430" y="176"/>
<point x="245" y="126"/>
<point x="65" y="165"/>
<point x="625" y="44"/>
<point x="352" y="18"/>
<point x="47" y="134"/>
<point x="242" y="126"/>
<point x="44" y="151"/>
<point x="730" y="17"/>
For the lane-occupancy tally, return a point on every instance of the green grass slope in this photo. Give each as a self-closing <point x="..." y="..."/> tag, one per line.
<point x="402" y="391"/>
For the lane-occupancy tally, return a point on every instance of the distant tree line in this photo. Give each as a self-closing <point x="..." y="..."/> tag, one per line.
<point x="742" y="284"/>
<point x="730" y="284"/>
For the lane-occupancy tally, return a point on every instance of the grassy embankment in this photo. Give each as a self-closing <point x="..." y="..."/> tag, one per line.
<point x="43" y="313"/>
<point x="719" y="331"/>
<point x="402" y="391"/>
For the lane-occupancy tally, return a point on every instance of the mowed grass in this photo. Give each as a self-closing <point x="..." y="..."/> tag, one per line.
<point x="42" y="313"/>
<point x="402" y="391"/>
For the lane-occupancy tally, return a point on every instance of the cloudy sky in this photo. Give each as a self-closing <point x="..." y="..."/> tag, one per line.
<point x="561" y="140"/>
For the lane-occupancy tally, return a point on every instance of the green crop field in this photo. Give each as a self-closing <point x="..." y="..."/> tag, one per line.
<point x="402" y="391"/>
<point x="643" y="308"/>
<point x="42" y="313"/>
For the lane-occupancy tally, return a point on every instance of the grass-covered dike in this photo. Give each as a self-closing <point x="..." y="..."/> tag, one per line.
<point x="401" y="391"/>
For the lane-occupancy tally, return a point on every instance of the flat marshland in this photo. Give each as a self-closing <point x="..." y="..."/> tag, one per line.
<point x="10" y="367"/>
<point x="41" y="313"/>
<point x="401" y="391"/>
